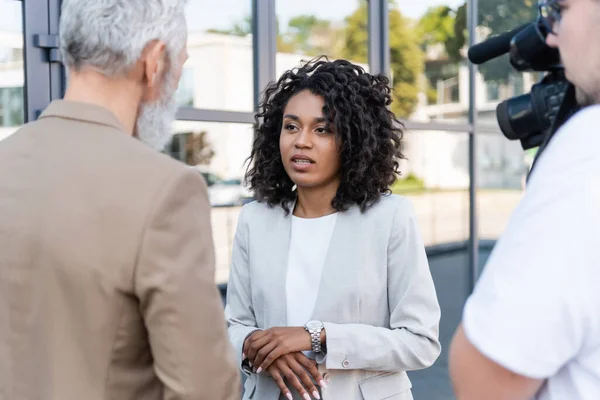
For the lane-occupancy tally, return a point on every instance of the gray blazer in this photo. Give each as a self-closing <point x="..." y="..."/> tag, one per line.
<point x="376" y="298"/>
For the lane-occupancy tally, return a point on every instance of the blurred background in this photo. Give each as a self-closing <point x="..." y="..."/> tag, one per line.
<point x="237" y="46"/>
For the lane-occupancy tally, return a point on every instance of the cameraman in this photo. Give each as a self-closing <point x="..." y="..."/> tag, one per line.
<point x="531" y="329"/>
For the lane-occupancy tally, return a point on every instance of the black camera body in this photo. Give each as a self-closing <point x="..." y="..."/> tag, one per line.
<point x="533" y="117"/>
<point x="530" y="117"/>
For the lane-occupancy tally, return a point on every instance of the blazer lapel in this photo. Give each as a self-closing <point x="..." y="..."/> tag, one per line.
<point x="335" y="273"/>
<point x="280" y="245"/>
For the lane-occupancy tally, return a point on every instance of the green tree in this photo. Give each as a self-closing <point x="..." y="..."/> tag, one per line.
<point x="407" y="61"/>
<point x="455" y="45"/>
<point x="301" y="32"/>
<point x="499" y="17"/>
<point x="436" y="26"/>
<point x="444" y="25"/>
<point x="502" y="16"/>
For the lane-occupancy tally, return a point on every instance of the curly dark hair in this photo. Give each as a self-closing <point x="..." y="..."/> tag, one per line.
<point x="356" y="103"/>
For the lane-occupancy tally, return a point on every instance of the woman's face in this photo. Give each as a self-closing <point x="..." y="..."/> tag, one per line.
<point x="309" y="150"/>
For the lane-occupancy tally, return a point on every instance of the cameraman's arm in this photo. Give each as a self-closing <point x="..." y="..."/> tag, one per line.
<point x="474" y="376"/>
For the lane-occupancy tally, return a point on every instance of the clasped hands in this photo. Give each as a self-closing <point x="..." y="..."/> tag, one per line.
<point x="279" y="352"/>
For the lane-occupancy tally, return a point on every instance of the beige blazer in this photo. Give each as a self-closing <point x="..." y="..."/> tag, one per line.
<point x="376" y="298"/>
<point x="106" y="268"/>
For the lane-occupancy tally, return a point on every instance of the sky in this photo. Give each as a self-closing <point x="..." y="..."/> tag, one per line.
<point x="222" y="14"/>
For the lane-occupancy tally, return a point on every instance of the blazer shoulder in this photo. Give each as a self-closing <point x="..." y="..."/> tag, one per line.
<point x="260" y="210"/>
<point x="152" y="167"/>
<point x="393" y="203"/>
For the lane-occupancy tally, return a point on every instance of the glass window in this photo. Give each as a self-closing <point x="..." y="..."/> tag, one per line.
<point x="493" y="91"/>
<point x="435" y="177"/>
<point x="495" y="18"/>
<point x="12" y="105"/>
<point x="307" y="29"/>
<point x="427" y="43"/>
<point x="218" y="152"/>
<point x="185" y="91"/>
<point x="220" y="72"/>
<point x="502" y="170"/>
<point x="502" y="164"/>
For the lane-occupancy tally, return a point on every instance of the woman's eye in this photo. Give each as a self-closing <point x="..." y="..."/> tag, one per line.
<point x="322" y="130"/>
<point x="289" y="127"/>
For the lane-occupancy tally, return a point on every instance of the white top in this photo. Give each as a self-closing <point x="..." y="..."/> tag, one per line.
<point x="536" y="307"/>
<point x="309" y="242"/>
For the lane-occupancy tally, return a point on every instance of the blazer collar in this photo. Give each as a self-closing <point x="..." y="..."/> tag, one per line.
<point x="85" y="112"/>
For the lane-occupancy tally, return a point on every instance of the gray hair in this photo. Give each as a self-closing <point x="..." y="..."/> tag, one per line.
<point x="110" y="35"/>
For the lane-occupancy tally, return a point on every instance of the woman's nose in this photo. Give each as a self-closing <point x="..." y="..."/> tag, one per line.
<point x="303" y="139"/>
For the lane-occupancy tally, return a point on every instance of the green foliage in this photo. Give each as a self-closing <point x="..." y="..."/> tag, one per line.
<point x="432" y="95"/>
<point x="436" y="26"/>
<point x="459" y="40"/>
<point x="411" y="183"/>
<point x="502" y="16"/>
<point x="406" y="57"/>
<point x="499" y="17"/>
<point x="301" y="31"/>
<point x="356" y="36"/>
<point x="443" y="25"/>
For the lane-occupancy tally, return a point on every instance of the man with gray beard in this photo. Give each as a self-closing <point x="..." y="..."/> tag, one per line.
<point x="106" y="257"/>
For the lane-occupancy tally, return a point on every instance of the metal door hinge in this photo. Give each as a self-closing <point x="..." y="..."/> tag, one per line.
<point x="51" y="44"/>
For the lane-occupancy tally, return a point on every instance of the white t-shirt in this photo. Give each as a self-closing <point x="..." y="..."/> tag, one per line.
<point x="536" y="307"/>
<point x="309" y="243"/>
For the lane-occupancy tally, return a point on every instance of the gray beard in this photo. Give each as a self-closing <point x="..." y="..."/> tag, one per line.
<point x="154" y="125"/>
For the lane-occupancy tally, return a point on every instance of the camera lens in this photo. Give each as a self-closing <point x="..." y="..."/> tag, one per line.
<point x="517" y="117"/>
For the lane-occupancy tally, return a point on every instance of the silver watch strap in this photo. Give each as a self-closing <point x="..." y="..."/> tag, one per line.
<point x="315" y="338"/>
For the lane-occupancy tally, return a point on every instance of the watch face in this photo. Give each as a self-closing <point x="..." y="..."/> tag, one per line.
<point x="314" y="325"/>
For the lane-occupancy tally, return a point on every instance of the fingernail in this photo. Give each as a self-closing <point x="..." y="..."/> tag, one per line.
<point x="289" y="396"/>
<point x="249" y="363"/>
<point x="323" y="384"/>
<point x="259" y="370"/>
<point x="243" y="356"/>
<point x="306" y="396"/>
<point x="316" y="395"/>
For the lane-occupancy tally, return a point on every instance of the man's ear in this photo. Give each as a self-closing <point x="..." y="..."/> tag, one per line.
<point x="154" y="61"/>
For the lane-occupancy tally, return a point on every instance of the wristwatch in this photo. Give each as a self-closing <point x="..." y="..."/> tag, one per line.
<point x="315" y="328"/>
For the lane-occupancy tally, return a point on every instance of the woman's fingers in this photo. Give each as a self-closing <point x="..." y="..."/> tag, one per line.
<point x="304" y="377"/>
<point x="253" y="336"/>
<point x="311" y="366"/>
<point x="273" y="355"/>
<point x="279" y="381"/>
<point x="255" y="343"/>
<point x="259" y="359"/>
<point x="292" y="378"/>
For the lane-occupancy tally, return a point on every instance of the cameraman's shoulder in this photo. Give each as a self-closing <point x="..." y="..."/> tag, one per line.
<point x="584" y="124"/>
<point x="575" y="144"/>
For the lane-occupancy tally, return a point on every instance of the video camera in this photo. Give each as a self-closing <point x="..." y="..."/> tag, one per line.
<point x="533" y="117"/>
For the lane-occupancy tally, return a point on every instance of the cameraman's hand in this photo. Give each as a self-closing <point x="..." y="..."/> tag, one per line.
<point x="295" y="368"/>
